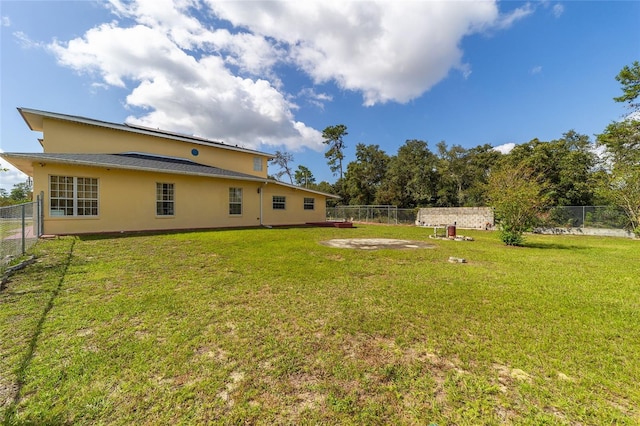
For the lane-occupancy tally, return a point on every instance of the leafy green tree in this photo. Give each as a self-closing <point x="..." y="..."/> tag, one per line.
<point x="622" y="188"/>
<point x="365" y="174"/>
<point x="411" y="179"/>
<point x="333" y="136"/>
<point x="480" y="161"/>
<point x="324" y="186"/>
<point x="517" y="198"/>
<point x="629" y="78"/>
<point x="565" y="165"/>
<point x="621" y="140"/>
<point x="463" y="174"/>
<point x="304" y="177"/>
<point x="327" y="188"/>
<point x="283" y="160"/>
<point x="576" y="163"/>
<point x="453" y="171"/>
<point x="5" y="199"/>
<point x="621" y="183"/>
<point x="21" y="192"/>
<point x="340" y="189"/>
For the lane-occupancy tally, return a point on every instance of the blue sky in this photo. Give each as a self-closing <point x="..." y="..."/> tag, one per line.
<point x="272" y="75"/>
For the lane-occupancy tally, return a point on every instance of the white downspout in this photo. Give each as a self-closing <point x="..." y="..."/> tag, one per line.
<point x="261" y="190"/>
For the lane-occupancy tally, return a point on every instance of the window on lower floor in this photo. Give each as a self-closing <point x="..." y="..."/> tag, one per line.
<point x="165" y="199"/>
<point x="309" y="203"/>
<point x="279" y="202"/>
<point x="73" y="196"/>
<point x="235" y="201"/>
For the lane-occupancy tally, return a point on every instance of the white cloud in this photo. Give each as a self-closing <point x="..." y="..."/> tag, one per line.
<point x="505" y="148"/>
<point x="557" y="10"/>
<point x="24" y="41"/>
<point x="633" y="116"/>
<point x="5" y="21"/>
<point x="536" y="70"/>
<point x="189" y="73"/>
<point x="388" y="51"/>
<point x="509" y="19"/>
<point x="11" y="176"/>
<point x="186" y="92"/>
<point x="315" y="98"/>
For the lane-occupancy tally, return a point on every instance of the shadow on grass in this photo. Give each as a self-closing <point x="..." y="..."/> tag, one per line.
<point x="10" y="413"/>
<point x="554" y="246"/>
<point x="130" y="234"/>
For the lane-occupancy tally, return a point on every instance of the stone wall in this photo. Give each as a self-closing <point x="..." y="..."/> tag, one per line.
<point x="601" y="232"/>
<point x="462" y="217"/>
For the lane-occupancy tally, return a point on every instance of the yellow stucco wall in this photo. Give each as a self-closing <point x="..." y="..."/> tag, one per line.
<point x="294" y="212"/>
<point x="69" y="137"/>
<point x="127" y="202"/>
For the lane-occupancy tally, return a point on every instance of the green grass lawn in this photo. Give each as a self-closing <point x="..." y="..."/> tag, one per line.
<point x="269" y="326"/>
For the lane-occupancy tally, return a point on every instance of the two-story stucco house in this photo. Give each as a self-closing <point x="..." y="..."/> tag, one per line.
<point x="98" y="177"/>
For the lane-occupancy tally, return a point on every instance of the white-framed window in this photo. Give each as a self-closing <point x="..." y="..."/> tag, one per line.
<point x="257" y="164"/>
<point x="235" y="201"/>
<point x="309" y="203"/>
<point x="165" y="201"/>
<point x="73" y="196"/>
<point x="279" y="202"/>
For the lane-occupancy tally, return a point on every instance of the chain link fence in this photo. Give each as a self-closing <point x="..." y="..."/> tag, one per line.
<point x="20" y="227"/>
<point x="605" y="217"/>
<point x="391" y="215"/>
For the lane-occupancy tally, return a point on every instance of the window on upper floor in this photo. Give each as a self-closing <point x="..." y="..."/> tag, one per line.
<point x="257" y="164"/>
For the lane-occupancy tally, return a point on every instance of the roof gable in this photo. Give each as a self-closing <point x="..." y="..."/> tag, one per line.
<point x="34" y="119"/>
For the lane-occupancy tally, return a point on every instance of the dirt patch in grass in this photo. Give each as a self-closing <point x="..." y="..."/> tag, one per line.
<point x="7" y="393"/>
<point x="376" y="243"/>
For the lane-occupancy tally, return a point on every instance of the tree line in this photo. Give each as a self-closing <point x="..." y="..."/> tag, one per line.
<point x="572" y="170"/>
<point x="20" y="193"/>
<point x="534" y="176"/>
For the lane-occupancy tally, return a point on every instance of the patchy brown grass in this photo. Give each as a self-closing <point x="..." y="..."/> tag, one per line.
<point x="271" y="327"/>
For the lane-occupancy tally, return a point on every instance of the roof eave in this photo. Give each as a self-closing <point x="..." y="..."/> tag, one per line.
<point x="25" y="161"/>
<point x="44" y="161"/>
<point x="300" y="188"/>
<point x="34" y="119"/>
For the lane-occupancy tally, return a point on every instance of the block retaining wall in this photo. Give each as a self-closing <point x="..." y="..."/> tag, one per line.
<point x="602" y="232"/>
<point x="462" y="217"/>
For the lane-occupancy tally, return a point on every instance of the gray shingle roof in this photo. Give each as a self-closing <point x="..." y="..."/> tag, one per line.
<point x="138" y="162"/>
<point x="146" y="162"/>
<point x="34" y="117"/>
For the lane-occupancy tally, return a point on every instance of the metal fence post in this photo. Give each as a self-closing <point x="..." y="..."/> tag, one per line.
<point x="24" y="242"/>
<point x="41" y="215"/>
<point x="36" y="217"/>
